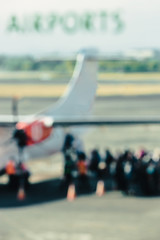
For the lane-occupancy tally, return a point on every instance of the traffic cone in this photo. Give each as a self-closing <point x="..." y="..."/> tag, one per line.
<point x="21" y="194"/>
<point x="71" y="194"/>
<point x="100" y="190"/>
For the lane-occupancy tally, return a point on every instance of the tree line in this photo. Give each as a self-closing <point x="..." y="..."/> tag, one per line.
<point x="28" y="63"/>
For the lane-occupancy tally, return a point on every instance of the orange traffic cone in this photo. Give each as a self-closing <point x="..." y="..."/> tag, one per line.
<point x="71" y="194"/>
<point x="100" y="188"/>
<point x="21" y="194"/>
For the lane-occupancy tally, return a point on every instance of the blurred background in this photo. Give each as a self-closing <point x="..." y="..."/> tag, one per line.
<point x="39" y="43"/>
<point x="38" y="48"/>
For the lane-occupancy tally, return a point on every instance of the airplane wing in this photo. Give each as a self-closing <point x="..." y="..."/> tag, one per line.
<point x="108" y="121"/>
<point x="10" y="121"/>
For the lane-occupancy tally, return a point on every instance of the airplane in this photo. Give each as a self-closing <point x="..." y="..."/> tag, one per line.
<point x="44" y="133"/>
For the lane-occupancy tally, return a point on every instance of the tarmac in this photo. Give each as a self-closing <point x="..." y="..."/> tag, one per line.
<point x="47" y="215"/>
<point x="89" y="217"/>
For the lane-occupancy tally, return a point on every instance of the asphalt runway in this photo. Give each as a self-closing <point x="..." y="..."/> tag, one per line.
<point x="47" y="215"/>
<point x="111" y="217"/>
<point x="103" y="106"/>
<point x="66" y="80"/>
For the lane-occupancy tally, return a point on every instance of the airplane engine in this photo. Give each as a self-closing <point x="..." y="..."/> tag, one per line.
<point x="29" y="134"/>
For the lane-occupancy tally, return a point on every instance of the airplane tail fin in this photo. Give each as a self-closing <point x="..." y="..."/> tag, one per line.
<point x="80" y="94"/>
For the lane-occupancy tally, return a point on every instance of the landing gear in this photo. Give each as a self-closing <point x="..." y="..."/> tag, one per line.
<point x="17" y="180"/>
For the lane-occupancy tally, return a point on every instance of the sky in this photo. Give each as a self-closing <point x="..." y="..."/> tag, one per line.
<point x="47" y="26"/>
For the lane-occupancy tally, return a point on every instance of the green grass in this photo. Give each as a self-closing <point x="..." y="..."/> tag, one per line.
<point x="41" y="90"/>
<point x="52" y="75"/>
<point x="32" y="75"/>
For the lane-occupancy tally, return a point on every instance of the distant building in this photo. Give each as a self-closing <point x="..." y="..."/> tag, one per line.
<point x="141" y="54"/>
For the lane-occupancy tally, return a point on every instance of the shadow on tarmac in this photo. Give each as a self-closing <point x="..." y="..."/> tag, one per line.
<point x="49" y="191"/>
<point x="42" y="192"/>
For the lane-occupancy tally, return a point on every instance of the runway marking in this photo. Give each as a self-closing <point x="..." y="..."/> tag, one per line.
<point x="10" y="90"/>
<point x="58" y="236"/>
